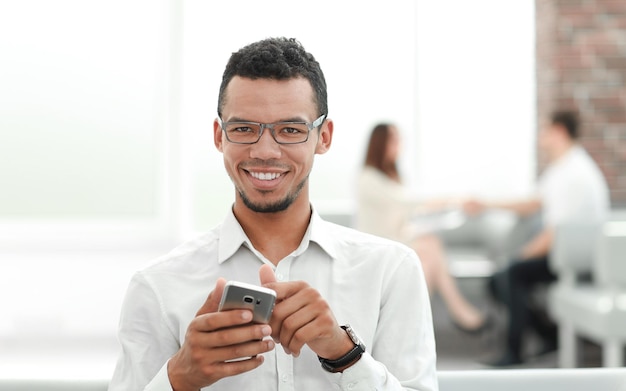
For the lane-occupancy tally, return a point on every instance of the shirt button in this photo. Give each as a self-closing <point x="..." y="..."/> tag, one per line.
<point x="284" y="378"/>
<point x="279" y="276"/>
<point x="351" y="386"/>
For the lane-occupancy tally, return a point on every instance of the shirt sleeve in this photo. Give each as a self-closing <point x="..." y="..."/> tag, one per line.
<point x="147" y="342"/>
<point x="161" y="382"/>
<point x="404" y="340"/>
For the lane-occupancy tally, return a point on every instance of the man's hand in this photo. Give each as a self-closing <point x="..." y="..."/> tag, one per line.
<point x="301" y="316"/>
<point x="214" y="337"/>
<point x="473" y="207"/>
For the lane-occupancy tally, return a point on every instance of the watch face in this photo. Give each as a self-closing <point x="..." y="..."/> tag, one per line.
<point x="352" y="335"/>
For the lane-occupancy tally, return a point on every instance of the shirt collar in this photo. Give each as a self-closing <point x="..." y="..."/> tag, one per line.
<point x="232" y="237"/>
<point x="320" y="233"/>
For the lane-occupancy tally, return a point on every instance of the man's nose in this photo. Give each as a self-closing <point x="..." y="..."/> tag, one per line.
<point x="266" y="147"/>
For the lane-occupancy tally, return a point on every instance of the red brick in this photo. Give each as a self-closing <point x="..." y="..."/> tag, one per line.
<point x="599" y="37"/>
<point x="576" y="75"/>
<point x="581" y="62"/>
<point x="615" y="117"/>
<point x="606" y="49"/>
<point x="582" y="21"/>
<point x="574" y="62"/>
<point x="615" y="62"/>
<point x="595" y="147"/>
<point x="607" y="101"/>
<point x="613" y="7"/>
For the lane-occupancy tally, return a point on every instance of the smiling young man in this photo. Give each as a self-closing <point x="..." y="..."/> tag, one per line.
<point x="352" y="310"/>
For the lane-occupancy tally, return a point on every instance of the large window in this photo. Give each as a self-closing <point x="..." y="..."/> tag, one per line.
<point x="84" y="121"/>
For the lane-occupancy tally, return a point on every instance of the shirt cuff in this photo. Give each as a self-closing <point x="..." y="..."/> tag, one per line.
<point x="160" y="382"/>
<point x="365" y="374"/>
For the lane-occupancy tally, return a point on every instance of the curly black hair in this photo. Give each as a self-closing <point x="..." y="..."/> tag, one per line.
<point x="279" y="59"/>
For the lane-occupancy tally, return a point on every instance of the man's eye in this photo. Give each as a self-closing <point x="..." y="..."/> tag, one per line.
<point x="291" y="130"/>
<point x="242" y="129"/>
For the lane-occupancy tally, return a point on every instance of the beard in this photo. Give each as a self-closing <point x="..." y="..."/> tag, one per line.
<point x="273" y="207"/>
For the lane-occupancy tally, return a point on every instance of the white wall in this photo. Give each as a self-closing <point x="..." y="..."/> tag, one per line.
<point x="475" y="98"/>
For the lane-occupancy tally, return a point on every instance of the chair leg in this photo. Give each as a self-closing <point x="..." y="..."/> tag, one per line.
<point x="567" y="346"/>
<point x="612" y="354"/>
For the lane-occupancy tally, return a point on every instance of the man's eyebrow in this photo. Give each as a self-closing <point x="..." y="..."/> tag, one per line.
<point x="238" y="119"/>
<point x="291" y="119"/>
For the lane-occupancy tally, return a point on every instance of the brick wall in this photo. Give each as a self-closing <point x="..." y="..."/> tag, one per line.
<point x="581" y="64"/>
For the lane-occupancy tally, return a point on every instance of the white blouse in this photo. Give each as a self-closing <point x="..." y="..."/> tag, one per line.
<point x="385" y="207"/>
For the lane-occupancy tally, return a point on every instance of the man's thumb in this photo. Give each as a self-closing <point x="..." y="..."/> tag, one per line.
<point x="213" y="300"/>
<point x="266" y="274"/>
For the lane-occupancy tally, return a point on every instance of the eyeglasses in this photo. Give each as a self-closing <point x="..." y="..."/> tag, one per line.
<point x="291" y="132"/>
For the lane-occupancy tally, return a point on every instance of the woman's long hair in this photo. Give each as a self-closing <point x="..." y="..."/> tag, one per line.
<point x="376" y="151"/>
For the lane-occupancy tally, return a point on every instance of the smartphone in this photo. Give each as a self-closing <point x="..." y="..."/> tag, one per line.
<point x="239" y="295"/>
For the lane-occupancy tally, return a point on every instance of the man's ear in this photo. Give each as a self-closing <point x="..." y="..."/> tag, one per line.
<point x="325" y="137"/>
<point x="217" y="135"/>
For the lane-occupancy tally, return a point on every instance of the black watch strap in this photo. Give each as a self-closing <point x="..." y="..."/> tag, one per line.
<point x="348" y="358"/>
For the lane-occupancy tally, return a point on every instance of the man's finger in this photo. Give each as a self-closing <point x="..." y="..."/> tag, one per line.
<point x="266" y="274"/>
<point x="213" y="300"/>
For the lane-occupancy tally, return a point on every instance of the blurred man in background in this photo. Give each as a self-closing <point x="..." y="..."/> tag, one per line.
<point x="571" y="190"/>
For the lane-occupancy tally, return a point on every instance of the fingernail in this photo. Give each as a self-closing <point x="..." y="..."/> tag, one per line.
<point x="246" y="315"/>
<point x="270" y="344"/>
<point x="286" y="349"/>
<point x="266" y="330"/>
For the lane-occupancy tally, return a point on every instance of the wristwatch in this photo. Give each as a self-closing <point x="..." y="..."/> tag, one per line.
<point x="350" y="357"/>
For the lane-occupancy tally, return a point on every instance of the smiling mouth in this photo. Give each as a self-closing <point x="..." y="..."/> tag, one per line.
<point x="265" y="176"/>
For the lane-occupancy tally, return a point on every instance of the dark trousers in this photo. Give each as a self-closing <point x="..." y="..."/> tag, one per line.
<point x="513" y="287"/>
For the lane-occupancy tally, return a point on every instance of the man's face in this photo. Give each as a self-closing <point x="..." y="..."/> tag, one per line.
<point x="269" y="177"/>
<point x="549" y="137"/>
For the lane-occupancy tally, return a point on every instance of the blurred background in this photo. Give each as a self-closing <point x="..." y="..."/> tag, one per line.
<point x="106" y="111"/>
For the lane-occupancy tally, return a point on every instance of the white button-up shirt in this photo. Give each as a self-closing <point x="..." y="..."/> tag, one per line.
<point x="375" y="285"/>
<point x="573" y="190"/>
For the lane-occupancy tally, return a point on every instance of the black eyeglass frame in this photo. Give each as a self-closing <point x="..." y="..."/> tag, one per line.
<point x="310" y="126"/>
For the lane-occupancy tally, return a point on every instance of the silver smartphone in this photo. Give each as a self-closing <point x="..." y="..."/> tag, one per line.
<point x="240" y="295"/>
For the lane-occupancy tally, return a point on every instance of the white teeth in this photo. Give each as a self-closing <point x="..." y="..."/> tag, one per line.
<point x="265" y="176"/>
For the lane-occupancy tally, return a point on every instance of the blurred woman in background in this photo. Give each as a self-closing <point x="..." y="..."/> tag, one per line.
<point x="386" y="208"/>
